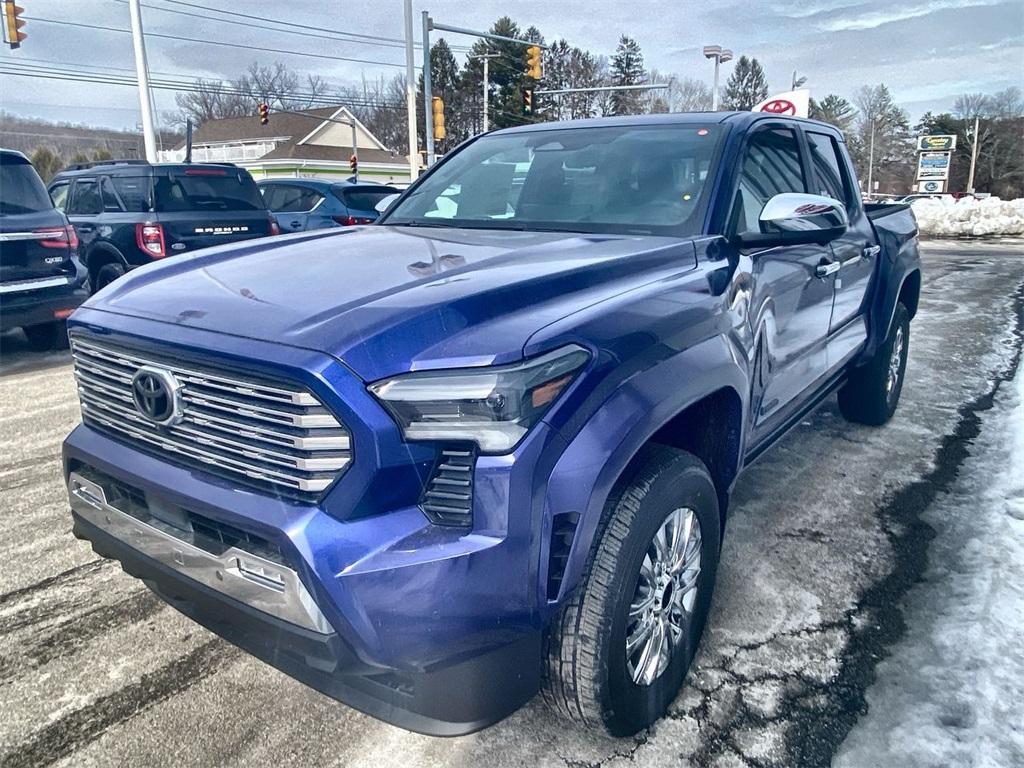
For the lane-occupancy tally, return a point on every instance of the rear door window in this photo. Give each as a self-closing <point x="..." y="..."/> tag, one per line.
<point x="85" y="198"/>
<point x="290" y="198"/>
<point x="134" y="191"/>
<point x="110" y="200"/>
<point x="829" y="178"/>
<point x="206" y="189"/>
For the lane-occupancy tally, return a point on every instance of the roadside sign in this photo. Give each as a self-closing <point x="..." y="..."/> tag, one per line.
<point x="795" y="103"/>
<point x="933" y="165"/>
<point x="932" y="187"/>
<point x="944" y="143"/>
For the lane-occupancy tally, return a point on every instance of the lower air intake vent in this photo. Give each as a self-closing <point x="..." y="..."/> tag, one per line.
<point x="563" y="529"/>
<point x="448" y="498"/>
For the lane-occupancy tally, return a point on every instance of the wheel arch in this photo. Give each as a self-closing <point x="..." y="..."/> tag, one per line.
<point x="673" y="407"/>
<point x="99" y="256"/>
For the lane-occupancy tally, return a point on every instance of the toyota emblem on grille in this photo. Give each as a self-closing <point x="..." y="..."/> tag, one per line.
<point x="156" y="396"/>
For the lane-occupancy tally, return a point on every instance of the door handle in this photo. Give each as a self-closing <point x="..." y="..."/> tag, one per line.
<point x="295" y="224"/>
<point x="826" y="268"/>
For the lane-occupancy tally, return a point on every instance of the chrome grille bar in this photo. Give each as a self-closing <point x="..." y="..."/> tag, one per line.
<point x="269" y="434"/>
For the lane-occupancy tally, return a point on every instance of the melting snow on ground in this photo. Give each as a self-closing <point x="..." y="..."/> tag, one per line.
<point x="946" y="217"/>
<point x="952" y="692"/>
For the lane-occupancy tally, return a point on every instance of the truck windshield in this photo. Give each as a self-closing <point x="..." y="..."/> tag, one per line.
<point x="616" y="179"/>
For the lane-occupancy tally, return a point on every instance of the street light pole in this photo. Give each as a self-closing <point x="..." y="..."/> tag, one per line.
<point x="974" y="156"/>
<point x="410" y="93"/>
<point x="720" y="55"/>
<point x="427" y="105"/>
<point x="486" y="58"/>
<point x="142" y="73"/>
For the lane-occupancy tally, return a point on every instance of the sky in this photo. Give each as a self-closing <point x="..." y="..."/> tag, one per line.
<point x="926" y="52"/>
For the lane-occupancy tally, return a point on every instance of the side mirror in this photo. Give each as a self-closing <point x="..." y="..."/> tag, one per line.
<point x="385" y="202"/>
<point x="794" y="218"/>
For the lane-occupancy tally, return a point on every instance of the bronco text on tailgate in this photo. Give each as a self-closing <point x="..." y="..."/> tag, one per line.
<point x="485" y="447"/>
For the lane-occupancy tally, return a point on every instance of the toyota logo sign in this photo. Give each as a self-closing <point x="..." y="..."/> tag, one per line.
<point x="155" y="392"/>
<point x="780" y="107"/>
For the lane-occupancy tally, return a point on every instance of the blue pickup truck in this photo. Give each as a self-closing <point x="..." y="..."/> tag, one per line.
<point x="484" y="448"/>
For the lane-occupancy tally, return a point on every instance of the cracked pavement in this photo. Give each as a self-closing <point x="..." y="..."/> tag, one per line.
<point x="826" y="536"/>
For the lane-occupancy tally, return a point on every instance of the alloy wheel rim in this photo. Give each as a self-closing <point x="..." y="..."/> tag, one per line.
<point x="895" y="361"/>
<point x="662" y="606"/>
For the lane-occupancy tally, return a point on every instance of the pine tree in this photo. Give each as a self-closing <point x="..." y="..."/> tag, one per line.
<point x="627" y="69"/>
<point x="746" y="86"/>
<point x="835" y="110"/>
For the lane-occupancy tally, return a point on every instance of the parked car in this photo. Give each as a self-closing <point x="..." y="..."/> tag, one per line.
<point x="41" y="279"/>
<point x="301" y="204"/>
<point x="129" y="213"/>
<point x="486" y="445"/>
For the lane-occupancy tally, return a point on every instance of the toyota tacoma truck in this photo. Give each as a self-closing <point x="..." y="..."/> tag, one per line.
<point x="484" y="448"/>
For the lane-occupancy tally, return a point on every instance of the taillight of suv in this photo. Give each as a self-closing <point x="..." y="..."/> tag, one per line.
<point x="58" y="237"/>
<point x="349" y="221"/>
<point x="150" y="239"/>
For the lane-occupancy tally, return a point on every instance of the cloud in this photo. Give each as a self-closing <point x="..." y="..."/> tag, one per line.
<point x="876" y="18"/>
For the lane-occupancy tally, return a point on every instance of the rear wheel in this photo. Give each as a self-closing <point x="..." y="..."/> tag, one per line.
<point x="107" y="274"/>
<point x="872" y="391"/>
<point x="620" y="651"/>
<point x="46" y="336"/>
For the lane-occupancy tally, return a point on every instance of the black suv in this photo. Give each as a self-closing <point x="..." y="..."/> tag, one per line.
<point x="41" y="279"/>
<point x="130" y="212"/>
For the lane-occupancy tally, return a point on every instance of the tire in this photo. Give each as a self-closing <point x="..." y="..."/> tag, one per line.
<point x="872" y="391"/>
<point x="47" y="336"/>
<point x="587" y="675"/>
<point x="107" y="274"/>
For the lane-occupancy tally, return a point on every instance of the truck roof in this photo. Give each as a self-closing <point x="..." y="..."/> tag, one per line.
<point x="739" y="119"/>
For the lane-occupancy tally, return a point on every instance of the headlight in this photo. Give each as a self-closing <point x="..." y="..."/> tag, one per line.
<point x="493" y="407"/>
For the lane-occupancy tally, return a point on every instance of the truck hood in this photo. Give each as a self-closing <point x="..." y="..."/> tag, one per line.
<point x="386" y="300"/>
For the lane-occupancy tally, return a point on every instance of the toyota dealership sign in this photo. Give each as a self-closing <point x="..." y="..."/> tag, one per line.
<point x="791" y="103"/>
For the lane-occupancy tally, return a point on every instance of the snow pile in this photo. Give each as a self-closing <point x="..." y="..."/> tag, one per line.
<point x="968" y="217"/>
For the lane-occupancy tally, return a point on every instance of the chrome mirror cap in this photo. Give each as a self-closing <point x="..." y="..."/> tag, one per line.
<point x="797" y="212"/>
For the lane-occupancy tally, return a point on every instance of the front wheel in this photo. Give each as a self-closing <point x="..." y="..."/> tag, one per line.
<point x="872" y="391"/>
<point x="621" y="649"/>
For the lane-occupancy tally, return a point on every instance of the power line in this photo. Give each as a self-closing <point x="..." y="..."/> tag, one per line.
<point x="179" y="38"/>
<point x="54" y="73"/>
<point x="308" y="30"/>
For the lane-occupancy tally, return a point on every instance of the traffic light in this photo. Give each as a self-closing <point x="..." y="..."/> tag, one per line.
<point x="264" y="113"/>
<point x="437" y="107"/>
<point x="533" y="68"/>
<point x="13" y="24"/>
<point x="528" y="100"/>
<point x="353" y="164"/>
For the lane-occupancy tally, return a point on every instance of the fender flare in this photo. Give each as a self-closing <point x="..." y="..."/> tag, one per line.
<point x="107" y="250"/>
<point x="586" y="473"/>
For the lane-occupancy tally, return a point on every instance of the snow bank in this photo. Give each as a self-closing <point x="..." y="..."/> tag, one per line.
<point x="968" y="217"/>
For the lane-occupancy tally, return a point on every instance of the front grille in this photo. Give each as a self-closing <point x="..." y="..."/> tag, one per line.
<point x="263" y="433"/>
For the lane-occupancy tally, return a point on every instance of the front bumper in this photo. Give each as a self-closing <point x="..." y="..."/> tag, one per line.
<point x="420" y="627"/>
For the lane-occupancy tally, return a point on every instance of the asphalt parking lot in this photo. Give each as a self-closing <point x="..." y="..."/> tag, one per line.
<point x="825" y="539"/>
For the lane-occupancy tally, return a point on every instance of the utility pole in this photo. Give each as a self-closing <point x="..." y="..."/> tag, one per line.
<point x="974" y="156"/>
<point x="410" y="94"/>
<point x="142" y="73"/>
<point x="871" y="158"/>
<point x="486" y="57"/>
